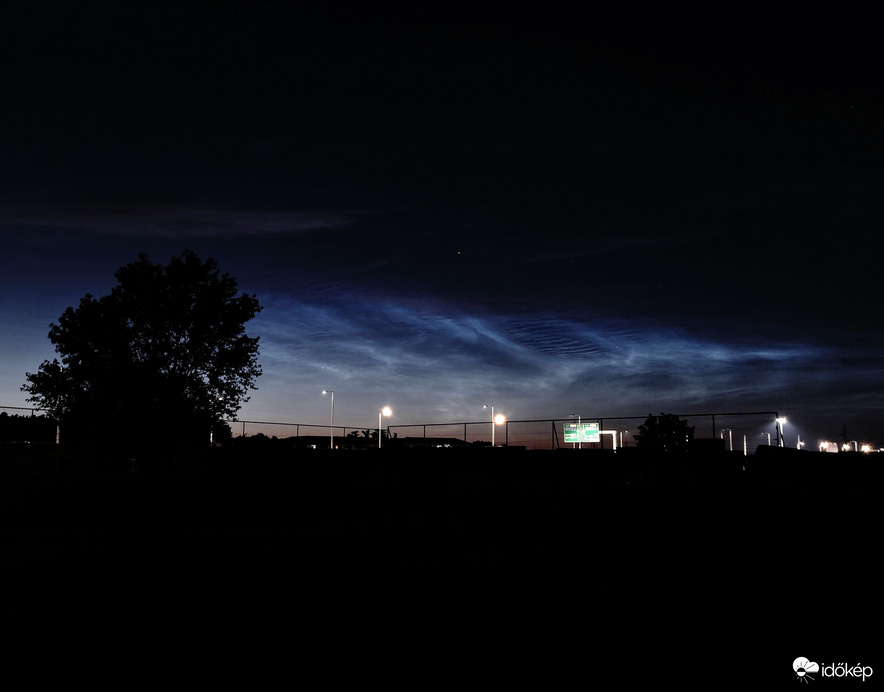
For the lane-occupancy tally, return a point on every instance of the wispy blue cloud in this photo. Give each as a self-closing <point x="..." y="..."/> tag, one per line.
<point x="438" y="363"/>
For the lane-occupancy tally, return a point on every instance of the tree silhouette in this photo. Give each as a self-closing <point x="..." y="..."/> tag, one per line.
<point x="665" y="433"/>
<point x="164" y="355"/>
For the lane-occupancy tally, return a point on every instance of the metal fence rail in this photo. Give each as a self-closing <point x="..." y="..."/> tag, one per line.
<point x="21" y="408"/>
<point x="739" y="431"/>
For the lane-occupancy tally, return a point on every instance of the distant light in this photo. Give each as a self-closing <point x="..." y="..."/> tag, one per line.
<point x="781" y="420"/>
<point x="845" y="447"/>
<point x="500" y="419"/>
<point x="387" y="411"/>
<point x="866" y="448"/>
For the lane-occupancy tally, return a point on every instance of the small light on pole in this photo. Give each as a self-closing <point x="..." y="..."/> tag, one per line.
<point x="386" y="411"/>
<point x="331" y="438"/>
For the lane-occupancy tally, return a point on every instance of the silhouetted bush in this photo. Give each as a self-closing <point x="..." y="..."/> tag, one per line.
<point x="18" y="428"/>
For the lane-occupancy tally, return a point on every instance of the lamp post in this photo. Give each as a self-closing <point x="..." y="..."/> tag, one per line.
<point x="491" y="406"/>
<point x="730" y="434"/>
<point x="499" y="419"/>
<point x="781" y="422"/>
<point x="331" y="439"/>
<point x="579" y="432"/>
<point x="386" y="411"/>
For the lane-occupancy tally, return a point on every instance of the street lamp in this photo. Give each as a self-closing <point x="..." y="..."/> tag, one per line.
<point x="730" y="434"/>
<point x="495" y="420"/>
<point x="386" y="411"/>
<point x="331" y="439"/>
<point x="781" y="422"/>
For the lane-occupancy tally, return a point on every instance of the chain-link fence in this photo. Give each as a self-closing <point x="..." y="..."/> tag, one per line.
<point x="309" y="435"/>
<point x="740" y="431"/>
<point x="737" y="431"/>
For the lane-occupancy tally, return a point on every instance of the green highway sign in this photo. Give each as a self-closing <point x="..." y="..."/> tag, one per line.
<point x="590" y="432"/>
<point x="583" y="432"/>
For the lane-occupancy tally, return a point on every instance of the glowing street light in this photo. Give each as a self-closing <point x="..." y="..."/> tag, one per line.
<point x="499" y="419"/>
<point x="730" y="435"/>
<point x="331" y="439"/>
<point x="781" y="422"/>
<point x="386" y="411"/>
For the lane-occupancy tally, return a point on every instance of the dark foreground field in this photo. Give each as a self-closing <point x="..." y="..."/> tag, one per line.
<point x="524" y="562"/>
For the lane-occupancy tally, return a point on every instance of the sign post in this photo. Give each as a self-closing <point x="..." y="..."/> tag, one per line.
<point x="582" y="432"/>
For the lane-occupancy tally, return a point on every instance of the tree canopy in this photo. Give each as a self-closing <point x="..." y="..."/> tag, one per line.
<point x="665" y="433"/>
<point x="166" y="351"/>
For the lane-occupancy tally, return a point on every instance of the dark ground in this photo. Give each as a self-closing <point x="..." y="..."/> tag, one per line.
<point x="525" y="563"/>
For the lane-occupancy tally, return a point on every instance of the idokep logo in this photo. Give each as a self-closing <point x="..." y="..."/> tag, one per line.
<point x="803" y="668"/>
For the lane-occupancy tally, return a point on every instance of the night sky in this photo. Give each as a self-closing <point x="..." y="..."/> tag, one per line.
<point x="603" y="213"/>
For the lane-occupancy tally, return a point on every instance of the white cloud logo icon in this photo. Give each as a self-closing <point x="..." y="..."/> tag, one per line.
<point x="802" y="667"/>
